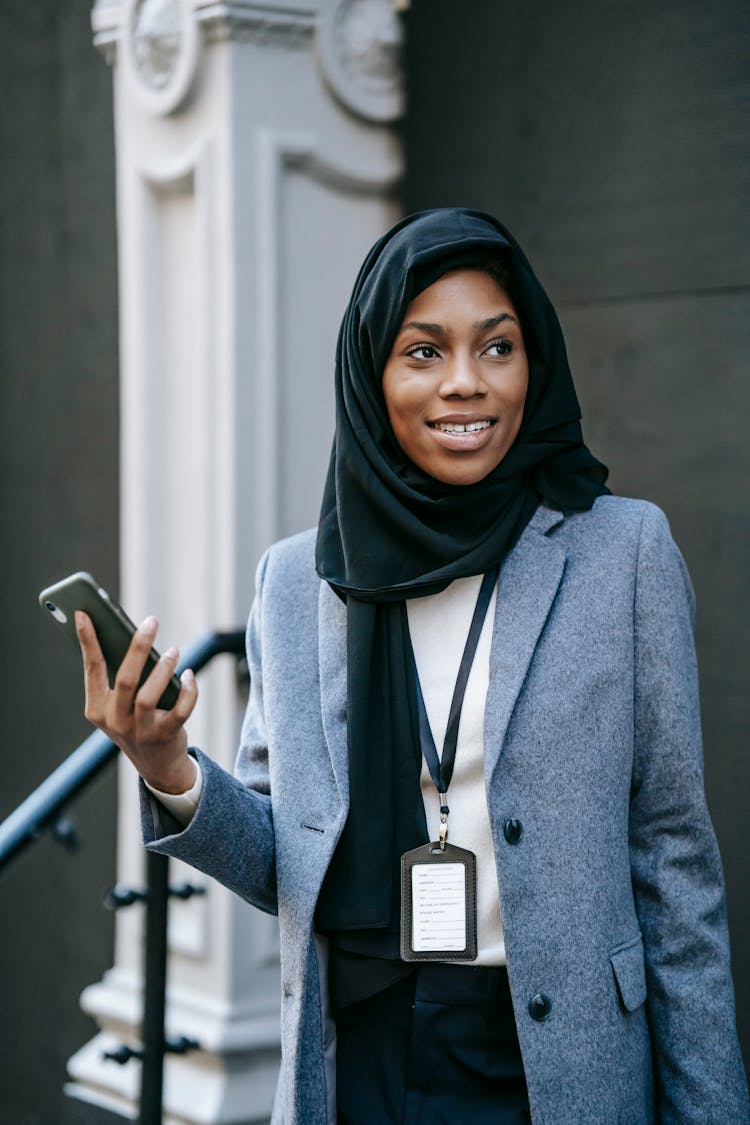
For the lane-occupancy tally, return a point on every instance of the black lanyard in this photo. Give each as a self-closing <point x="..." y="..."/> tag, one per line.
<point x="441" y="769"/>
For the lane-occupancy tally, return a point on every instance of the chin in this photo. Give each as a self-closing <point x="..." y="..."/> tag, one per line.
<point x="460" y="475"/>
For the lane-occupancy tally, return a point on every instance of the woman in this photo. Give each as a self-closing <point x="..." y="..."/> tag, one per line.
<point x="598" y="987"/>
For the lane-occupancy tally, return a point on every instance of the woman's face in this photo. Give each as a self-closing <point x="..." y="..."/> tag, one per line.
<point x="455" y="381"/>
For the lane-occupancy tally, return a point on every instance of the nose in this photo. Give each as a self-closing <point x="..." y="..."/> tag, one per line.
<point x="462" y="379"/>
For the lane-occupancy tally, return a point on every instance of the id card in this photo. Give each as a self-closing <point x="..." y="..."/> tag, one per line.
<point x="438" y="904"/>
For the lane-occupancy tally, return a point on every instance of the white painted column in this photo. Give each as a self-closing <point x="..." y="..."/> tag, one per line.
<point x="256" y="162"/>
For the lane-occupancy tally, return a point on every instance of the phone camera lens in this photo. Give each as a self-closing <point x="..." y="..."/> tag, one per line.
<point x="57" y="613"/>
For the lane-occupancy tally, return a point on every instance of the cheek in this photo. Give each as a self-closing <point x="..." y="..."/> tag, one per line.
<point x="389" y="387"/>
<point x="397" y="406"/>
<point x="517" y="398"/>
<point x="520" y="409"/>
<point x="403" y="401"/>
<point x="406" y="423"/>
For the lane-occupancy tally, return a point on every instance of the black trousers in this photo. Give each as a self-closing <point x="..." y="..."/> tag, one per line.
<point x="438" y="1047"/>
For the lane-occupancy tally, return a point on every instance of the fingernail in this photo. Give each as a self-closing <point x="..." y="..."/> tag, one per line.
<point x="170" y="653"/>
<point x="148" y="625"/>
<point x="78" y="616"/>
<point x="187" y="676"/>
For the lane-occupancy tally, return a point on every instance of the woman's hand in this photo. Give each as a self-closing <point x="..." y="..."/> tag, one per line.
<point x="154" y="740"/>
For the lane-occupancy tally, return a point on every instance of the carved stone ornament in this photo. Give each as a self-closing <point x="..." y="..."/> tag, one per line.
<point x="359" y="47"/>
<point x="161" y="43"/>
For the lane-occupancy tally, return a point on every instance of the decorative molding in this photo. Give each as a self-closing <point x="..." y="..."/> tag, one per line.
<point x="280" y="25"/>
<point x="359" y="47"/>
<point x="264" y="25"/>
<point x="155" y="187"/>
<point x="281" y="151"/>
<point x="157" y="35"/>
<point x="105" y="24"/>
<point x="161" y="52"/>
<point x="194" y="1084"/>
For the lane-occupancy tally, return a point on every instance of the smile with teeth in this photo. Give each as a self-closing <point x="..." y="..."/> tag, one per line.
<point x="461" y="428"/>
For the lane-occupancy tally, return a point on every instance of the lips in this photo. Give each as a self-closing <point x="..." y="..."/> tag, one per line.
<point x="462" y="433"/>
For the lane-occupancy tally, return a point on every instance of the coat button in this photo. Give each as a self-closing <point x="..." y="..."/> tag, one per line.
<point x="540" y="1007"/>
<point x="513" y="831"/>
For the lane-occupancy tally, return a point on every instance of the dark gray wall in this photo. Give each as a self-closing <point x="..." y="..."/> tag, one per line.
<point x="58" y="508"/>
<point x="613" y="140"/>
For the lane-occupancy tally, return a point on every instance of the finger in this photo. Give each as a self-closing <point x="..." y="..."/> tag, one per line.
<point x="131" y="669"/>
<point x="95" y="682"/>
<point x="187" y="698"/>
<point x="151" y="691"/>
<point x="171" y="721"/>
<point x="170" y="724"/>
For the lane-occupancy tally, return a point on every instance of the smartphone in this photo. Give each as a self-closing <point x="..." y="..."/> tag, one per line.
<point x="114" y="629"/>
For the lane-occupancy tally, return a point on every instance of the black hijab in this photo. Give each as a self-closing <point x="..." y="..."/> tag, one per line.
<point x="388" y="531"/>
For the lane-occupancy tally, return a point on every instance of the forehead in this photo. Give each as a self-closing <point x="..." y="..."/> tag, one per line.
<point x="458" y="294"/>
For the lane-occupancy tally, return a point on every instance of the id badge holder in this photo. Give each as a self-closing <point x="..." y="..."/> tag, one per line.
<point x="438" y="904"/>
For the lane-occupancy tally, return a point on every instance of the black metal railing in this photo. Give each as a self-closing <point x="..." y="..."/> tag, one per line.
<point x="43" y="812"/>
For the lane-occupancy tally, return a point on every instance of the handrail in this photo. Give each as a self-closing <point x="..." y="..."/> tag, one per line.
<point x="40" y="810"/>
<point x="43" y="805"/>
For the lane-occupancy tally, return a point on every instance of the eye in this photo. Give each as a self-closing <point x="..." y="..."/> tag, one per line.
<point x="423" y="351"/>
<point x="498" y="348"/>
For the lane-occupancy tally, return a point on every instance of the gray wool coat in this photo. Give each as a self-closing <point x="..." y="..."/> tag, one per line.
<point x="612" y="899"/>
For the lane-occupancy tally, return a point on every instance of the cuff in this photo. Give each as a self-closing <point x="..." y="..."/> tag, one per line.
<point x="181" y="805"/>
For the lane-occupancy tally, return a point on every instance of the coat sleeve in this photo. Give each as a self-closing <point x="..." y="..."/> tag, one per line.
<point x="675" y="862"/>
<point x="230" y="836"/>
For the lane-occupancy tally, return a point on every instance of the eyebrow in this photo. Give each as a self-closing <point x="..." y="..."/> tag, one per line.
<point x="479" y="325"/>
<point x="493" y="321"/>
<point x="423" y="326"/>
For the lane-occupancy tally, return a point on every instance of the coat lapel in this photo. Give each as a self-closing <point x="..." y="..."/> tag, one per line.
<point x="528" y="583"/>
<point x="332" y="663"/>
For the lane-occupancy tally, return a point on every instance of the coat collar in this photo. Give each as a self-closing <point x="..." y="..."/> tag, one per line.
<point x="529" y="580"/>
<point x="543" y="520"/>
